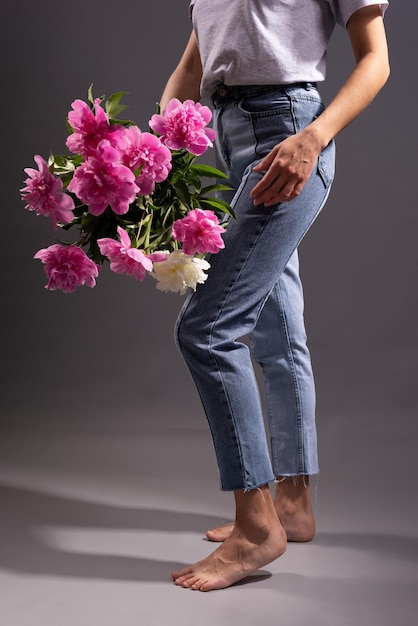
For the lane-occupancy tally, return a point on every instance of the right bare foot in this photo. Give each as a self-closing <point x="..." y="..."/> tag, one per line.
<point x="256" y="539"/>
<point x="293" y="506"/>
<point x="235" y="559"/>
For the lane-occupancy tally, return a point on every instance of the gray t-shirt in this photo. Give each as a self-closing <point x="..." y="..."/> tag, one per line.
<point x="270" y="42"/>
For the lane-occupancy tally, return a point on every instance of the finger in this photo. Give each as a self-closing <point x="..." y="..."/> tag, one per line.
<point x="269" y="179"/>
<point x="288" y="192"/>
<point x="271" y="185"/>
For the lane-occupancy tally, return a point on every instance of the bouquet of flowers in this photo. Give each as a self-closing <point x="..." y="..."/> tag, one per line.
<point x="136" y="198"/>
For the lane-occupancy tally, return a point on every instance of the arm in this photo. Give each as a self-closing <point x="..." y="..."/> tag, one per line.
<point x="184" y="82"/>
<point x="290" y="163"/>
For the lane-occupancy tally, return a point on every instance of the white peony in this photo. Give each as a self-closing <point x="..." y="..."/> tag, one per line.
<point x="179" y="271"/>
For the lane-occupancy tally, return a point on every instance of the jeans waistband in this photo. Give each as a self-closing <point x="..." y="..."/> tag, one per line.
<point x="238" y="92"/>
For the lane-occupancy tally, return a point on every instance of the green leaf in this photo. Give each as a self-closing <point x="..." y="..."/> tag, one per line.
<point x="112" y="106"/>
<point x="176" y="177"/>
<point x="218" y="204"/>
<point x="183" y="192"/>
<point x="212" y="188"/>
<point x="166" y="218"/>
<point x="208" y="171"/>
<point x="63" y="164"/>
<point x="80" y="210"/>
<point x="70" y="129"/>
<point x="162" y="238"/>
<point x="90" y="96"/>
<point x="193" y="181"/>
<point x="113" y="120"/>
<point x="88" y="222"/>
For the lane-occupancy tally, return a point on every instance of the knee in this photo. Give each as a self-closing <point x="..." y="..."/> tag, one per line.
<point x="180" y="333"/>
<point x="190" y="334"/>
<point x="279" y="344"/>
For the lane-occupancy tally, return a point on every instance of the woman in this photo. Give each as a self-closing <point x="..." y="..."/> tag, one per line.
<point x="259" y="61"/>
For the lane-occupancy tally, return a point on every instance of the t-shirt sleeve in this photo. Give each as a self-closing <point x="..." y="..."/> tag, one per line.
<point x="346" y="8"/>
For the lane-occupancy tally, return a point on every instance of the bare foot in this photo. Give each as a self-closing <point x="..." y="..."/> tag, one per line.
<point x="293" y="506"/>
<point x="257" y="539"/>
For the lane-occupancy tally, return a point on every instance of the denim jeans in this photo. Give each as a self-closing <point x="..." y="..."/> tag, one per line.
<point x="253" y="289"/>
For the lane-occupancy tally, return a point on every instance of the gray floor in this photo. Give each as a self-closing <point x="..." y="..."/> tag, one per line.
<point x="93" y="521"/>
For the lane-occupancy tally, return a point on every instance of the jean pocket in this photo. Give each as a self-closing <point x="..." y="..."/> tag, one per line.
<point x="266" y="104"/>
<point x="326" y="164"/>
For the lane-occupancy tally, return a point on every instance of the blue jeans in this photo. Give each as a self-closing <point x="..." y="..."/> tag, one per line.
<point x="253" y="289"/>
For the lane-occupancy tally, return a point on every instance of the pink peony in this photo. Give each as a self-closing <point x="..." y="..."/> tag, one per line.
<point x="103" y="181"/>
<point x="182" y="125"/>
<point x="158" y="256"/>
<point x="89" y="128"/>
<point x="67" y="267"/>
<point x="145" y="151"/>
<point x="200" y="232"/>
<point x="43" y="194"/>
<point x="123" y="258"/>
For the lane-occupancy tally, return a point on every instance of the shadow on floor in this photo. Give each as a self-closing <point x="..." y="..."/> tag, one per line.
<point x="389" y="546"/>
<point x="25" y="513"/>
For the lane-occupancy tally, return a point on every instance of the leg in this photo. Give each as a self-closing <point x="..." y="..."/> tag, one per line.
<point x="258" y="247"/>
<point x="257" y="539"/>
<point x="293" y="506"/>
<point x="279" y="346"/>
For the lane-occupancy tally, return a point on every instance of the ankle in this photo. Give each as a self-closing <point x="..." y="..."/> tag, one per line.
<point x="293" y="494"/>
<point x="255" y="510"/>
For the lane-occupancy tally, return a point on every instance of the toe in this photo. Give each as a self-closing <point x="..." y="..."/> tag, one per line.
<point x="211" y="535"/>
<point x="180" y="572"/>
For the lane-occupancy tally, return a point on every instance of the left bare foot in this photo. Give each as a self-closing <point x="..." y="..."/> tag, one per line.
<point x="220" y="533"/>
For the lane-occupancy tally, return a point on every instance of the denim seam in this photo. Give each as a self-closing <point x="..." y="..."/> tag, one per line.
<point x="226" y="140"/>
<point x="296" y="389"/>
<point x="292" y="112"/>
<point x="179" y="346"/>
<point x="262" y="114"/>
<point x="210" y="343"/>
<point x="278" y="111"/>
<point x="230" y="287"/>
<point x="300" y="446"/>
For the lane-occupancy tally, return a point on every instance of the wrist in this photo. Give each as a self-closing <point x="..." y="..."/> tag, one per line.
<point x="316" y="136"/>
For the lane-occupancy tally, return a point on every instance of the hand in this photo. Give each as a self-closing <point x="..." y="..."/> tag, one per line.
<point x="287" y="168"/>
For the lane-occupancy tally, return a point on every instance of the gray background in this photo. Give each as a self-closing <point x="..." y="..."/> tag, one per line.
<point x="100" y="365"/>
<point x="108" y="352"/>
